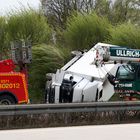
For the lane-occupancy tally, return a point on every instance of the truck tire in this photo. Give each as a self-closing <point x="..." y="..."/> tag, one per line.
<point x="7" y="100"/>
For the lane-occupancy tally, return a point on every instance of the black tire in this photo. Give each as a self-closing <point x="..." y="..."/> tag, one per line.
<point x="7" y="100"/>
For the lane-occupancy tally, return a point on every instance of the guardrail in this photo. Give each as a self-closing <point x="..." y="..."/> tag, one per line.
<point x="68" y="107"/>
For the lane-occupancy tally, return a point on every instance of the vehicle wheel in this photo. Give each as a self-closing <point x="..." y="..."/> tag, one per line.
<point x="7" y="100"/>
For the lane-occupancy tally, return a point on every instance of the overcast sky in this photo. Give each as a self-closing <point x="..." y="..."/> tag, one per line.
<point x="7" y="5"/>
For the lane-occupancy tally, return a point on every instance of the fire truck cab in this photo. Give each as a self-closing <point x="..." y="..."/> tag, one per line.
<point x="13" y="82"/>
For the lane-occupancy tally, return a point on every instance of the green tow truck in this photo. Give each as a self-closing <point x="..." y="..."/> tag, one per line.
<point x="126" y="81"/>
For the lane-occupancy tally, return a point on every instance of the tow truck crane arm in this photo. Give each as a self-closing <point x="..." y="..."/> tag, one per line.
<point x="116" y="54"/>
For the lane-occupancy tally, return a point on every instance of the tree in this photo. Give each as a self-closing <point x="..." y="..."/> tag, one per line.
<point x="59" y="11"/>
<point x="83" y="31"/>
<point x="3" y="35"/>
<point x="117" y="11"/>
<point x="28" y="24"/>
<point x="125" y="35"/>
<point x="125" y="11"/>
<point x="103" y="7"/>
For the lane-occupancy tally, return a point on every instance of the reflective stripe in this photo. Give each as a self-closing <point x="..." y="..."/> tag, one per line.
<point x="25" y="87"/>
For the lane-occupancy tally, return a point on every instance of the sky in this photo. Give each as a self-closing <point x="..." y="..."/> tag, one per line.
<point x="7" y="5"/>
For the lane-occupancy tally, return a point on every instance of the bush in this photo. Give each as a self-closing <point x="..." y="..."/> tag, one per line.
<point x="46" y="59"/>
<point x="125" y="35"/>
<point x="28" y="24"/>
<point x="83" y="31"/>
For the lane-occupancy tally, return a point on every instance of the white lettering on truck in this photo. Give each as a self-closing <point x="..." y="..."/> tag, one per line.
<point x="127" y="53"/>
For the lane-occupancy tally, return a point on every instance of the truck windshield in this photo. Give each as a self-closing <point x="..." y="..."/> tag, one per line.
<point x="125" y="72"/>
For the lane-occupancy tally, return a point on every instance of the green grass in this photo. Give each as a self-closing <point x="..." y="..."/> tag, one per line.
<point x="115" y="97"/>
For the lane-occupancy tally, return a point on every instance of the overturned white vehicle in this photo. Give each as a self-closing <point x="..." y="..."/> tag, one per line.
<point x="80" y="80"/>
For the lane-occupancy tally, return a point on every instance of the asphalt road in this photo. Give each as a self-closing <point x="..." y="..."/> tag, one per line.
<point x="100" y="132"/>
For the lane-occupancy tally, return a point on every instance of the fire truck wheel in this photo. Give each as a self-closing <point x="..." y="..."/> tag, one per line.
<point x="7" y="100"/>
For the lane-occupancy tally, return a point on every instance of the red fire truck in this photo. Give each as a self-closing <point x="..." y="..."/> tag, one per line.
<point x="13" y="82"/>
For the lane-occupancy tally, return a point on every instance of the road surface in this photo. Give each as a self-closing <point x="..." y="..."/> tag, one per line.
<point x="100" y="132"/>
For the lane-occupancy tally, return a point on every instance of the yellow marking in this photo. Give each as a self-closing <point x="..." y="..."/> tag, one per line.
<point x="25" y="88"/>
<point x="11" y="74"/>
<point x="10" y="85"/>
<point x="24" y="101"/>
<point x="4" y="81"/>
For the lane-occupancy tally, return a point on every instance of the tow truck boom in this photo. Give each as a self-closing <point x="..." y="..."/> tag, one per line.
<point x="116" y="53"/>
